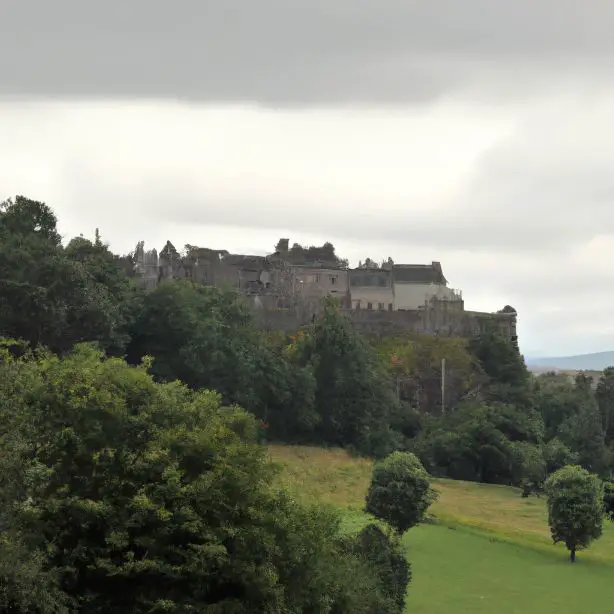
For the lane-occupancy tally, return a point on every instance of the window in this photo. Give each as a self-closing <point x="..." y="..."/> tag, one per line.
<point x="333" y="279"/>
<point x="357" y="304"/>
<point x="380" y="306"/>
<point x="316" y="278"/>
<point x="369" y="305"/>
<point x="389" y="306"/>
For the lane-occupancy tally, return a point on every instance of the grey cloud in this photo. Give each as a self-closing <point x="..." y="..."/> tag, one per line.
<point x="503" y="215"/>
<point x="292" y="51"/>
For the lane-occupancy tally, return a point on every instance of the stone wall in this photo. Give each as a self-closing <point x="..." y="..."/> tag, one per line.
<point x="271" y="283"/>
<point x="438" y="318"/>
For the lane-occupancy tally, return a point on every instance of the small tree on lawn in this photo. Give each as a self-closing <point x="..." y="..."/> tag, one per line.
<point x="575" y="507"/>
<point x="400" y="492"/>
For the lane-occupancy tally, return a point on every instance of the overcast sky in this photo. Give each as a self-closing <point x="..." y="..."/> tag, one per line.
<point x="477" y="133"/>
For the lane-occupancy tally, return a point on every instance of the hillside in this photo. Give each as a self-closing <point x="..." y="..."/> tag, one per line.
<point x="487" y="549"/>
<point x="583" y="362"/>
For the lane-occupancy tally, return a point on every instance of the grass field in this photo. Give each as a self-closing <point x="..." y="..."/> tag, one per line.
<point x="488" y="551"/>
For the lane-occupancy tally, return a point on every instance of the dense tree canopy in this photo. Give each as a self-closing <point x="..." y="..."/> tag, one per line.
<point x="132" y="496"/>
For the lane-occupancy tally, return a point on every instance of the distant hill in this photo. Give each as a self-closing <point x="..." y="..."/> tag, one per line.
<point x="584" y="362"/>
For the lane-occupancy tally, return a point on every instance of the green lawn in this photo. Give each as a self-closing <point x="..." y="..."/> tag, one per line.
<point x="458" y="572"/>
<point x="488" y="551"/>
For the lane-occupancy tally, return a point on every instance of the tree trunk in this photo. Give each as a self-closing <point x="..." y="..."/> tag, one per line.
<point x="572" y="555"/>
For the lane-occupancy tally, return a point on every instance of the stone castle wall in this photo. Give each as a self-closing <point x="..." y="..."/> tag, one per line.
<point x="279" y="305"/>
<point x="434" y="320"/>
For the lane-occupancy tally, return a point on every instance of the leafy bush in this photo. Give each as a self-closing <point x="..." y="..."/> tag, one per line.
<point x="400" y="491"/>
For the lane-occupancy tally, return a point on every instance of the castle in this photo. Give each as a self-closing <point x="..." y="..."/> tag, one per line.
<point x="287" y="286"/>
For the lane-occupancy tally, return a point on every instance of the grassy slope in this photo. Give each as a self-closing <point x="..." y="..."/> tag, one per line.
<point x="490" y="550"/>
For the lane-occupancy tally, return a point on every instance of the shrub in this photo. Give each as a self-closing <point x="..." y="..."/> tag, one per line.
<point x="400" y="491"/>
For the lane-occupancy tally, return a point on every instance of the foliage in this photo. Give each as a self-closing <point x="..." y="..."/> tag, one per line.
<point x="479" y="441"/>
<point x="133" y="496"/>
<point x="415" y="363"/>
<point x="204" y="336"/>
<point x="575" y="507"/>
<point x="383" y="554"/>
<point x="557" y="455"/>
<point x="54" y="296"/>
<point x="354" y="396"/>
<point x="509" y="379"/>
<point x="400" y="492"/>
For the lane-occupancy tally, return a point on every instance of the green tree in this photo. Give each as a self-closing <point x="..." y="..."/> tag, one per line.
<point x="557" y="455"/>
<point x="137" y="497"/>
<point x="383" y="554"/>
<point x="205" y="337"/>
<point x="107" y="302"/>
<point x="505" y="367"/>
<point x="25" y="585"/>
<point x="583" y="434"/>
<point x="532" y="467"/>
<point x="575" y="507"/>
<point x="53" y="296"/>
<point x="354" y="395"/>
<point x="479" y="441"/>
<point x="557" y="399"/>
<point x="400" y="492"/>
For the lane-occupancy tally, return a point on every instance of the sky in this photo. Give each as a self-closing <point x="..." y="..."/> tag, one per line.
<point x="475" y="133"/>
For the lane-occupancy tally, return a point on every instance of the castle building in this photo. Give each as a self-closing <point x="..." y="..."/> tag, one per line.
<point x="391" y="299"/>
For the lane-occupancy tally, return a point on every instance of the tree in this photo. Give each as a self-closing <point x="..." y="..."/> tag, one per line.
<point x="557" y="455"/>
<point x="108" y="301"/>
<point x="583" y="433"/>
<point x="384" y="554"/>
<point x="400" y="492"/>
<point x="131" y="496"/>
<point x="354" y="395"/>
<point x="479" y="441"/>
<point x="53" y="296"/>
<point x="504" y="365"/>
<point x="575" y="507"/>
<point x="205" y="337"/>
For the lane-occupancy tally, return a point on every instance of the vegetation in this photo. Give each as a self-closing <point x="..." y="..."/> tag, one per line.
<point x="575" y="507"/>
<point x="492" y="546"/>
<point x="400" y="492"/>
